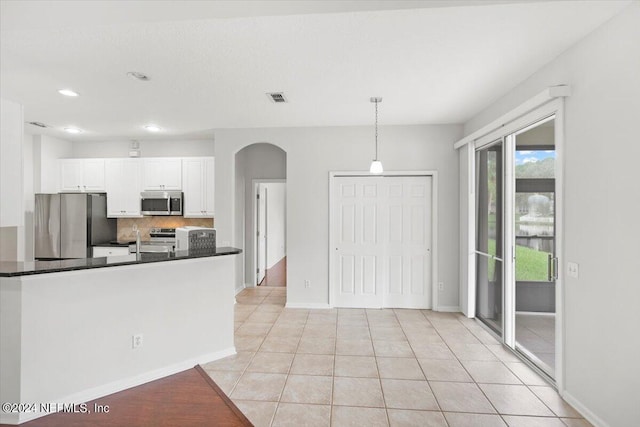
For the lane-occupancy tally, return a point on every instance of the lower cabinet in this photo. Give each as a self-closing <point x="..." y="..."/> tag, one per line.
<point x="102" y="251"/>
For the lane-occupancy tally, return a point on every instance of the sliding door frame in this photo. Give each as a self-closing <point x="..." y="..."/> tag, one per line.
<point x="555" y="107"/>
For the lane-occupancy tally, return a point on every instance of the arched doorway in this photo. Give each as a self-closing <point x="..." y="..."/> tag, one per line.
<point x="260" y="210"/>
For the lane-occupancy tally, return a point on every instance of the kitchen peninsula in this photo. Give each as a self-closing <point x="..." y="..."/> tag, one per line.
<point x="76" y="330"/>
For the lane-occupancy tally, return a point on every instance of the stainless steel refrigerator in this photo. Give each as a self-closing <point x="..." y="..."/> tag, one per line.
<point x="68" y="225"/>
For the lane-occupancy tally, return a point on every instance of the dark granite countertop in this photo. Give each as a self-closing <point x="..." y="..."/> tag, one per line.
<point x="117" y="243"/>
<point x="12" y="269"/>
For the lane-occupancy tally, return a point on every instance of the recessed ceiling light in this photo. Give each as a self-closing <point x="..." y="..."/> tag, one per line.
<point x="73" y="130"/>
<point x="153" y="128"/>
<point x="138" y="76"/>
<point x="68" y="92"/>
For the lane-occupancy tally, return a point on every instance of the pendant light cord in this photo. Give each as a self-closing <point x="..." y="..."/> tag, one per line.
<point x="376" y="102"/>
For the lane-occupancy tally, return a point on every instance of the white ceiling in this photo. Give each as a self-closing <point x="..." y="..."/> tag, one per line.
<point x="211" y="63"/>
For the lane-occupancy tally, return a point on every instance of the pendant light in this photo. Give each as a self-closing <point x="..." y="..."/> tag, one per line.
<point x="376" y="165"/>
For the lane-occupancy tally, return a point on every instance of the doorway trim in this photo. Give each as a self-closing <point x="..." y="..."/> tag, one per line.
<point x="434" y="225"/>
<point x="254" y="209"/>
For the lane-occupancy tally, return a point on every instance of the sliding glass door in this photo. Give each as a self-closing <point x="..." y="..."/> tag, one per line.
<point x="489" y="235"/>
<point x="535" y="243"/>
<point x="515" y="242"/>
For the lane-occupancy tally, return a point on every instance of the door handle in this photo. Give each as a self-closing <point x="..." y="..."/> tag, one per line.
<point x="552" y="268"/>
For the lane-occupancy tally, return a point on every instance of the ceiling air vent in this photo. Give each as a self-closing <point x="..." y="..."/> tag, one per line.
<point x="277" y="97"/>
<point x="40" y="125"/>
<point x="138" y="76"/>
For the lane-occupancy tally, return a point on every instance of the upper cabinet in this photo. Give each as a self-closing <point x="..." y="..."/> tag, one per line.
<point x="162" y="173"/>
<point x="123" y="182"/>
<point x="198" y="187"/>
<point x="84" y="175"/>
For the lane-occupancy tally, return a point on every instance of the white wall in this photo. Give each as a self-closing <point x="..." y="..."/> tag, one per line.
<point x="161" y="148"/>
<point x="75" y="328"/>
<point x="238" y="201"/>
<point x="311" y="154"/>
<point x="602" y="202"/>
<point x="276" y="222"/>
<point x="46" y="152"/>
<point x="11" y="206"/>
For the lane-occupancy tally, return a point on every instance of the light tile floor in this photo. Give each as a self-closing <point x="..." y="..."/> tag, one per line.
<point x="355" y="367"/>
<point x="536" y="333"/>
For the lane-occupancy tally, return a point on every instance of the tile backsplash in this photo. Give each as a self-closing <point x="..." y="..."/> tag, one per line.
<point x="126" y="225"/>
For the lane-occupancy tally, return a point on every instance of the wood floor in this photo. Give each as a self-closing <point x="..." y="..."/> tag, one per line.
<point x="188" y="398"/>
<point x="276" y="275"/>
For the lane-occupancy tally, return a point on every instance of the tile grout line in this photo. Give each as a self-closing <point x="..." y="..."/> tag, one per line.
<point x="463" y="367"/>
<point x="375" y="358"/>
<point x="273" y="418"/>
<point x="424" y="373"/>
<point x="523" y="382"/>
<point x="254" y="353"/>
<point x="402" y="324"/>
<point x="502" y="362"/>
<point x="333" y="373"/>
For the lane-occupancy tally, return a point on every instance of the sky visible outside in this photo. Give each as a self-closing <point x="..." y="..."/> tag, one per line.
<point x="526" y="156"/>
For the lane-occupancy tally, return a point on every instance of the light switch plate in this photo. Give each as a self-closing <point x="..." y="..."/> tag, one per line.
<point x="573" y="269"/>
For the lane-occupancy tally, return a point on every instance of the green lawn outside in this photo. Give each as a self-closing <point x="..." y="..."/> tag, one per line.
<point x="531" y="265"/>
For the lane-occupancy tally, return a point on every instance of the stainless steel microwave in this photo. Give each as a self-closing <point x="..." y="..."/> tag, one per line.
<point x="161" y="202"/>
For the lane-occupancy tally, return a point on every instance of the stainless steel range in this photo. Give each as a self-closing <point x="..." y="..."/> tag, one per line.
<point x="161" y="240"/>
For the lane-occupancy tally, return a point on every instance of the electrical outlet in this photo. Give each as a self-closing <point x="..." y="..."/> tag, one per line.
<point x="136" y="341"/>
<point x="307" y="283"/>
<point x="573" y="269"/>
<point x="441" y="286"/>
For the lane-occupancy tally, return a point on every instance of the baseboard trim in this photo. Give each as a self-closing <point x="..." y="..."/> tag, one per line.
<point x="448" y="308"/>
<point x="124" y="384"/>
<point x="584" y="411"/>
<point x="312" y="305"/>
<point x="240" y="288"/>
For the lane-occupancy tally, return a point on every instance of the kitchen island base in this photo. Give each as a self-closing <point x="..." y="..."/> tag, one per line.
<point x="68" y="337"/>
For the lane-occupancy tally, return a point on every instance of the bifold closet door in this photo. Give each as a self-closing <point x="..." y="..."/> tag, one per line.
<point x="382" y="238"/>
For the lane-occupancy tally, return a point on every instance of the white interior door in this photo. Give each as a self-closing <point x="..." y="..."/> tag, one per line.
<point x="381" y="230"/>
<point x="408" y="242"/>
<point x="358" y="252"/>
<point x="261" y="232"/>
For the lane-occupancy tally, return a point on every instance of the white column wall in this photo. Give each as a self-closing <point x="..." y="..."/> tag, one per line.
<point x="11" y="178"/>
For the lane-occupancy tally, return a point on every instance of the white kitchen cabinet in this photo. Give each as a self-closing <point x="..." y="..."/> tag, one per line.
<point x="162" y="173"/>
<point x="103" y="251"/>
<point x="83" y="175"/>
<point x="198" y="187"/>
<point x="122" y="183"/>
